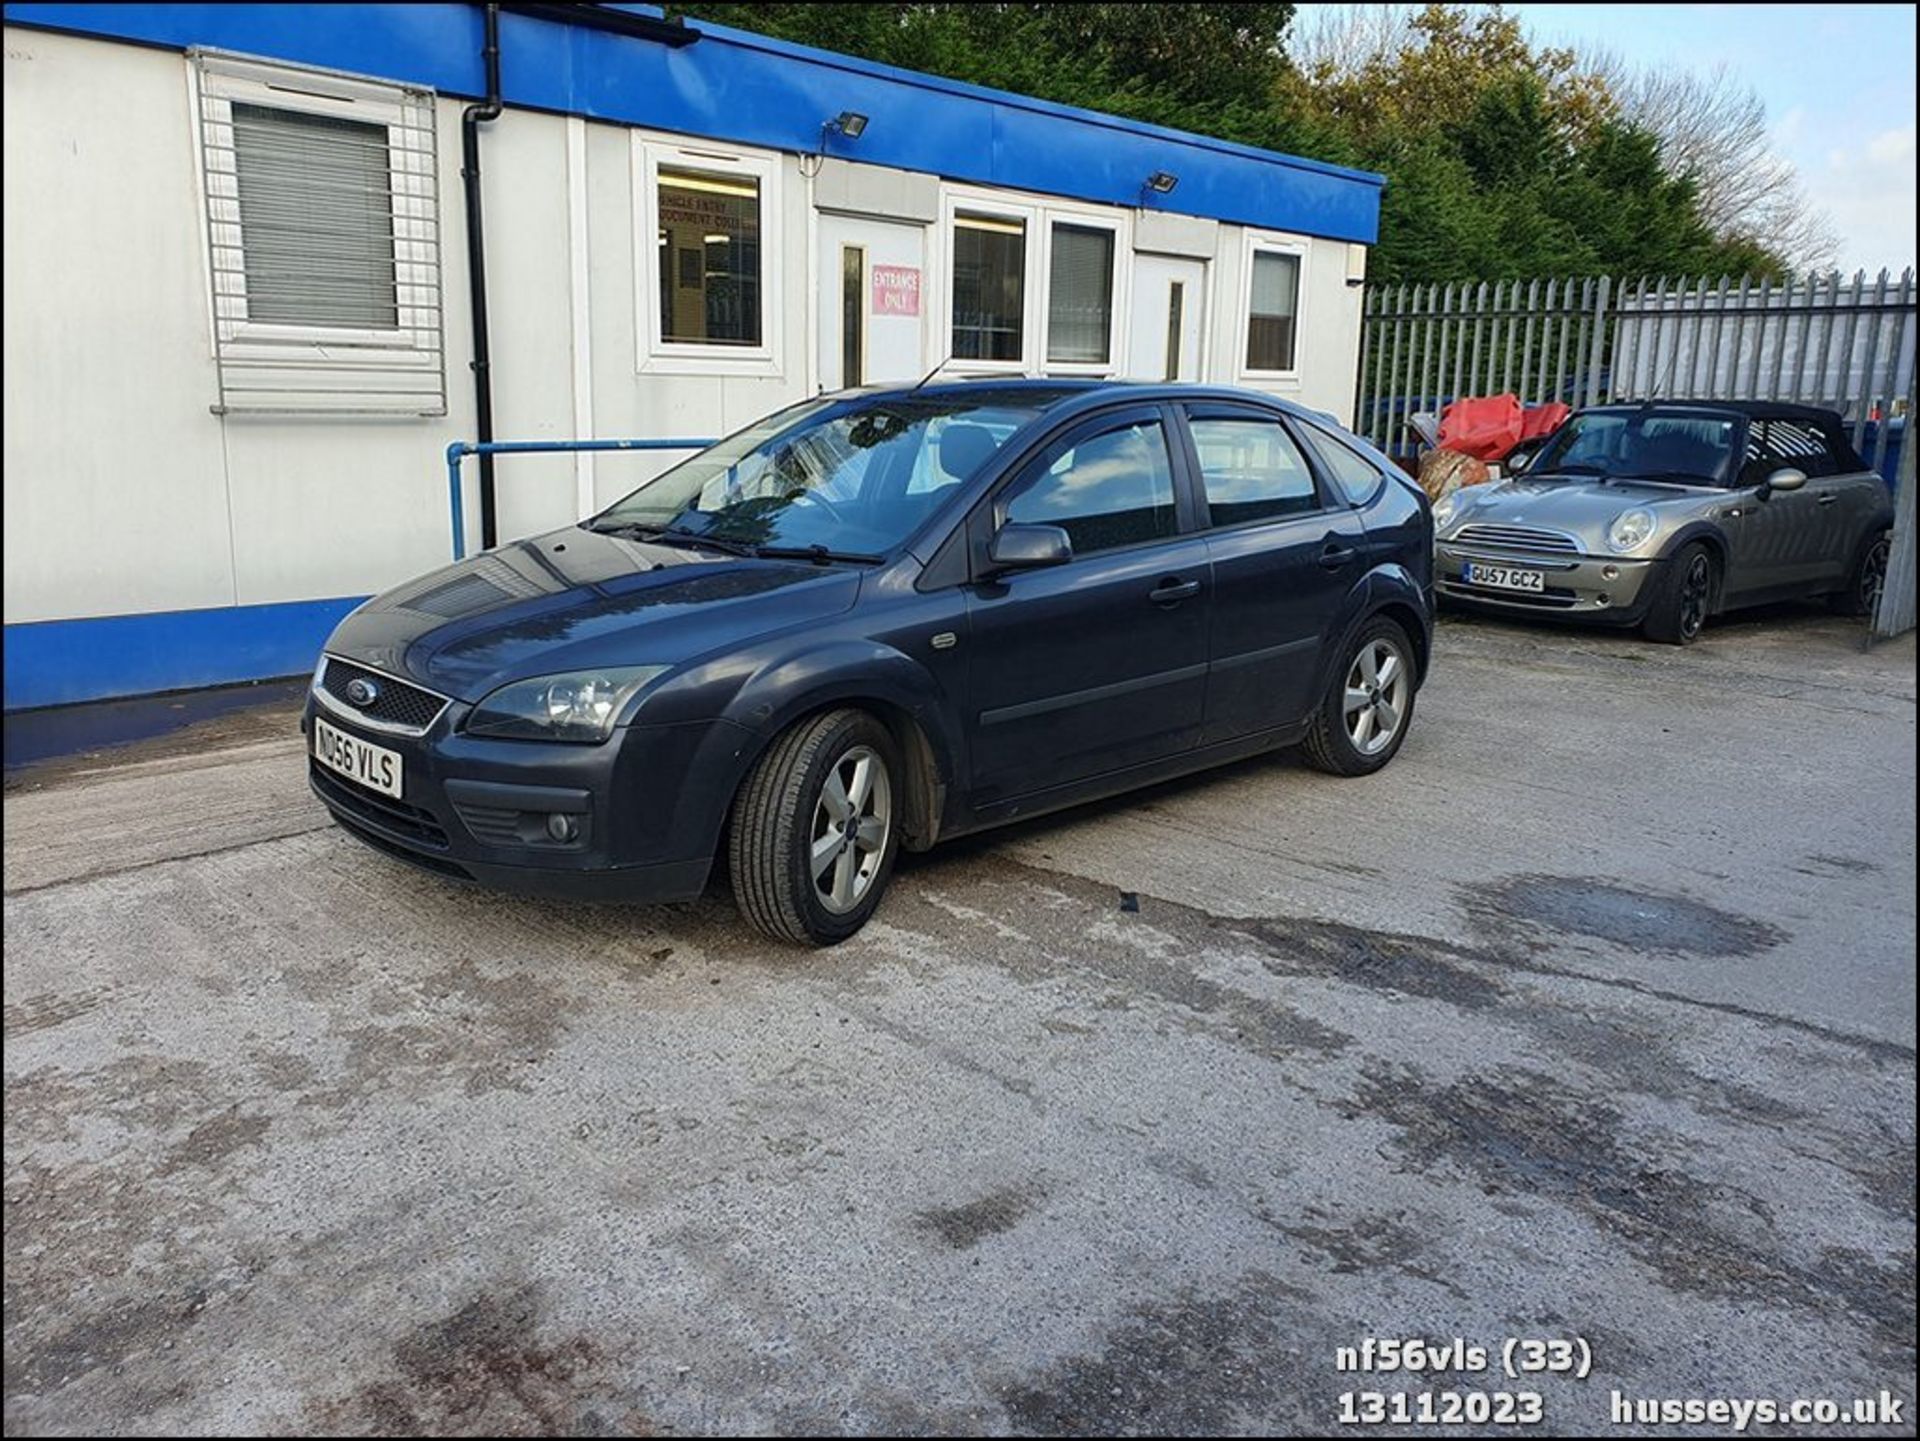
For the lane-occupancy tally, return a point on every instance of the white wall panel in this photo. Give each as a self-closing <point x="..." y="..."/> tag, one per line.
<point x="115" y="482"/>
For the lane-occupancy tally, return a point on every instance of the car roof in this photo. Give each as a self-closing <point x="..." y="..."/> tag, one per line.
<point x="1046" y="394"/>
<point x="1752" y="409"/>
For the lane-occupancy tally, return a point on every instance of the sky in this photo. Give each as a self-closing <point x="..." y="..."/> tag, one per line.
<point x="1837" y="81"/>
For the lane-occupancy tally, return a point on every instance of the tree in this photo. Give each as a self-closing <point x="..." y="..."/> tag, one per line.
<point x="1713" y="131"/>
<point x="1504" y="159"/>
<point x="1202" y="67"/>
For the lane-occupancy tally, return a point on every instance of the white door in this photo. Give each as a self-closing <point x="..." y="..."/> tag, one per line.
<point x="872" y="301"/>
<point x="1169" y="297"/>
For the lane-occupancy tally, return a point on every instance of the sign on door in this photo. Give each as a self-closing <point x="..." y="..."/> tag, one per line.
<point x="896" y="290"/>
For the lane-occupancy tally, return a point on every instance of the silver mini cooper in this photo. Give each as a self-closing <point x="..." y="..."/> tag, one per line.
<point x="1664" y="513"/>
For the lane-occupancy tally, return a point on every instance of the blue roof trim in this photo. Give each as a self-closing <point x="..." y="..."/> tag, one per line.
<point x="753" y="90"/>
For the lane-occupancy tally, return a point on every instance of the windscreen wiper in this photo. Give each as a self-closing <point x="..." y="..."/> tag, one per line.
<point x="818" y="554"/>
<point x="669" y="535"/>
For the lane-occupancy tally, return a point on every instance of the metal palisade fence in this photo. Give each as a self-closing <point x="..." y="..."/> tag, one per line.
<point x="1845" y="343"/>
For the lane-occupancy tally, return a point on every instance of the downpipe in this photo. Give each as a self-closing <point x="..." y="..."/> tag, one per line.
<point x="471" y="120"/>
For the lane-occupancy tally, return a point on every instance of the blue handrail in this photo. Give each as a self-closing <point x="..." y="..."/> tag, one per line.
<point x="461" y="449"/>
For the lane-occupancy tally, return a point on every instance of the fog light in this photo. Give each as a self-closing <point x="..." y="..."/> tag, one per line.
<point x="562" y="827"/>
<point x="1601" y="601"/>
<point x="1609" y="572"/>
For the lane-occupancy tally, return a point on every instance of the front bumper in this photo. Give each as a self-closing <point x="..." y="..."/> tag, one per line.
<point x="643" y="810"/>
<point x="1608" y="589"/>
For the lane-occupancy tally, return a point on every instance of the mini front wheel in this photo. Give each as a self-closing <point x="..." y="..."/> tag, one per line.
<point x="816" y="828"/>
<point x="1684" y="597"/>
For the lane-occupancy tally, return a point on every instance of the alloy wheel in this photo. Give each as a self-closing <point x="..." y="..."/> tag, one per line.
<point x="1378" y="689"/>
<point x="851" y="823"/>
<point x="1695" y="589"/>
<point x="1873" y="576"/>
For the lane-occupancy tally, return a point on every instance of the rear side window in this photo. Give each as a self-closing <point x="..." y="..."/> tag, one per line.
<point x="1356" y="476"/>
<point x="1110" y="489"/>
<point x="1252" y="470"/>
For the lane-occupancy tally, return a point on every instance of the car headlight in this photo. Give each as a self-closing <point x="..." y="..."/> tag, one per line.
<point x="578" y="706"/>
<point x="1445" y="509"/>
<point x="1630" y="528"/>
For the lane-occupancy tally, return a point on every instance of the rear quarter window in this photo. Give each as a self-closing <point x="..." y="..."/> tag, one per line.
<point x="1357" y="476"/>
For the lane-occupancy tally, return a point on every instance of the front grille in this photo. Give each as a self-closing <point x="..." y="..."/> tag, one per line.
<point x="397" y="704"/>
<point x="1552" y="598"/>
<point x="1518" y="537"/>
<point x="391" y="816"/>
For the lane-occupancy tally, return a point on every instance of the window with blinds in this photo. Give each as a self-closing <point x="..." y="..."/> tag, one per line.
<point x="1080" y="295"/>
<point x="316" y="219"/>
<point x="1273" y="311"/>
<point x="323" y="240"/>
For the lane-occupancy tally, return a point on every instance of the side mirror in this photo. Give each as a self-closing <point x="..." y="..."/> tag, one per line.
<point x="1520" y="460"/>
<point x="1029" y="547"/>
<point x="1785" y="479"/>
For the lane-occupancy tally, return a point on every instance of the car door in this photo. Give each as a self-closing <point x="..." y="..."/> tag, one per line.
<point x="1286" y="550"/>
<point x="1100" y="663"/>
<point x="1775" y="541"/>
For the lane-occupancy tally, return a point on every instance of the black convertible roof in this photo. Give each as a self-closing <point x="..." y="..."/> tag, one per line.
<point x="1752" y="409"/>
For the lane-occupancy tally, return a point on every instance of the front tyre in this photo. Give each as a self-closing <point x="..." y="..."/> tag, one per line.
<point x="815" y="829"/>
<point x="1685" y="598"/>
<point x="1364" y="717"/>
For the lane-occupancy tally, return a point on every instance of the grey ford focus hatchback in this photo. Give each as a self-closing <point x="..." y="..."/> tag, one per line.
<point x="880" y="619"/>
<point x="1663" y="514"/>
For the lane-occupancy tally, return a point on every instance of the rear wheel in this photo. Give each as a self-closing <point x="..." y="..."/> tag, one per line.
<point x="1685" y="597"/>
<point x="1869" y="578"/>
<point x="815" y="829"/>
<point x="1365" y="714"/>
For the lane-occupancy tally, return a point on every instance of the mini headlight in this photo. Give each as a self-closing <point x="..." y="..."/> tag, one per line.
<point x="1630" y="528"/>
<point x="577" y="706"/>
<point x="1444" y="510"/>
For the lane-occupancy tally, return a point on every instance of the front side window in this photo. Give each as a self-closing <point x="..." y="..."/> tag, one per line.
<point x="1773" y="444"/>
<point x="854" y="476"/>
<point x="1252" y="470"/>
<point x="710" y="258"/>
<point x="989" y="287"/>
<point x="1108" y="490"/>
<point x="316" y="219"/>
<point x="1273" y="311"/>
<point x="1080" y="295"/>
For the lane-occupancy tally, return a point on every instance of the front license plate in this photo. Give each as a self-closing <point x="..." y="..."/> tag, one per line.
<point x="1505" y="577"/>
<point x="375" y="767"/>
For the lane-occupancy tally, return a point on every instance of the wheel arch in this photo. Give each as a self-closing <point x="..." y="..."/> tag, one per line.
<point x="895" y="690"/>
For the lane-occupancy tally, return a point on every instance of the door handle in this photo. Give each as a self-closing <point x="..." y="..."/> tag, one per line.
<point x="1335" y="556"/>
<point x="1828" y="497"/>
<point x="1173" y="590"/>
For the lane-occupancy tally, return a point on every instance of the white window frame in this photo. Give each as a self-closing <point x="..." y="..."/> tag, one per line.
<point x="1039" y="216"/>
<point x="953" y="200"/>
<point x="1119" y="301"/>
<point x="276" y="368"/>
<point x="221" y="81"/>
<point x="1271" y="243"/>
<point x="677" y="357"/>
